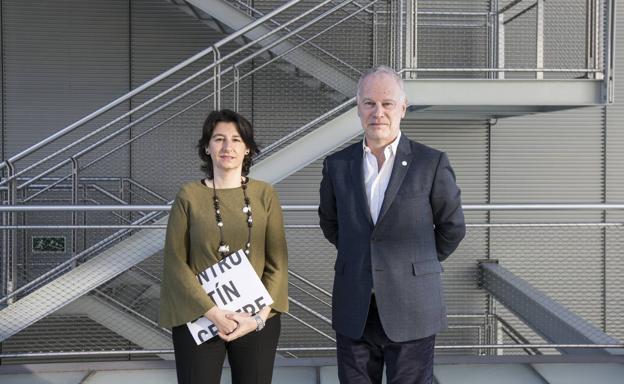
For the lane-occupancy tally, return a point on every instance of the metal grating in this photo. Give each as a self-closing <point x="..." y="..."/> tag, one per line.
<point x="60" y="333"/>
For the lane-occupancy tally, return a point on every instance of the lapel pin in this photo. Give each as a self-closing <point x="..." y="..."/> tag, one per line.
<point x="404" y="163"/>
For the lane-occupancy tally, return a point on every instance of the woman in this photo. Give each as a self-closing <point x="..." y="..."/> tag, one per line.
<point x="210" y="218"/>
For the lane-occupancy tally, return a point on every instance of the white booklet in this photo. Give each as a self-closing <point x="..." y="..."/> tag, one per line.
<point x="232" y="284"/>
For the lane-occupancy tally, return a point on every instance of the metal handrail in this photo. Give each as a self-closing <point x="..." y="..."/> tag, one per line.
<point x="233" y="67"/>
<point x="192" y="90"/>
<point x="315" y="46"/>
<point x="151" y="82"/>
<point x="305" y="349"/>
<point x="459" y="69"/>
<point x="139" y="224"/>
<point x="145" y="189"/>
<point x="69" y="263"/>
<point x="277" y="143"/>
<point x="465" y="207"/>
<point x="213" y="65"/>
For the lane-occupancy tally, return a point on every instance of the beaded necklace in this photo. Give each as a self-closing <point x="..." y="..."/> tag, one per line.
<point x="224" y="249"/>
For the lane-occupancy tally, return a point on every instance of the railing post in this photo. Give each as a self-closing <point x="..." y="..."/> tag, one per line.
<point x="501" y="44"/>
<point x="74" y="200"/>
<point x="375" y="36"/>
<point x="539" y="75"/>
<point x="609" y="55"/>
<point x="217" y="78"/>
<point x="491" y="38"/>
<point x="399" y="33"/>
<point x="588" y="37"/>
<point x="499" y="335"/>
<point x="5" y="248"/>
<point x="11" y="259"/>
<point x="394" y="28"/>
<point x="411" y="38"/>
<point x="122" y="195"/>
<point x="85" y="196"/>
<point x="236" y="88"/>
<point x="598" y="23"/>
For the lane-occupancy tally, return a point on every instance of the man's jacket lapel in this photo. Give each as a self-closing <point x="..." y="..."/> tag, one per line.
<point x="357" y="174"/>
<point x="402" y="161"/>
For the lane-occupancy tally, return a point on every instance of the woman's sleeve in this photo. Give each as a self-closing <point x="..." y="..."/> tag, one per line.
<point x="275" y="276"/>
<point x="182" y="299"/>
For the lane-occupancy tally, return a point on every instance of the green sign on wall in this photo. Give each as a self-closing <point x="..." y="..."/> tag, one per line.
<point x="48" y="244"/>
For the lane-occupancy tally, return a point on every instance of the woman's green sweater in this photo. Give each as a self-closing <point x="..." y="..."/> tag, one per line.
<point x="193" y="239"/>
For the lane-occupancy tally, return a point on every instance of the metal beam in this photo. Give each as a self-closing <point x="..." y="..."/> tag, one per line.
<point x="133" y="329"/>
<point x="236" y="19"/>
<point x="545" y="316"/>
<point x="486" y="93"/>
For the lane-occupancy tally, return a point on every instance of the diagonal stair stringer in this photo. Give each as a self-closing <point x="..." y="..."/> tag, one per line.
<point x="313" y="66"/>
<point x="145" y="243"/>
<point x="81" y="280"/>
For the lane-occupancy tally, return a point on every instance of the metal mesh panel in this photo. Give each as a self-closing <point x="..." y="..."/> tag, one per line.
<point x="62" y="333"/>
<point x="565" y="37"/>
<point x="614" y="281"/>
<point x="565" y="263"/>
<point x="556" y="158"/>
<point x="520" y="41"/>
<point x="451" y="35"/>
<point x="337" y="46"/>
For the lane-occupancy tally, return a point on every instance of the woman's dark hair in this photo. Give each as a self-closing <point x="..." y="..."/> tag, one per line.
<point x="245" y="130"/>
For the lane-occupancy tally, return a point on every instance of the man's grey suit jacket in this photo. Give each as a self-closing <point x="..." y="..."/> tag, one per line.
<point x="421" y="223"/>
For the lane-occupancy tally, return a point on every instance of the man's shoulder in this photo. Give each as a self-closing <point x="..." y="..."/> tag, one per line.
<point x="419" y="149"/>
<point x="345" y="153"/>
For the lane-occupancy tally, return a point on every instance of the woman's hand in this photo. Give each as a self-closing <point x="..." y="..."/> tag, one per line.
<point x="246" y="323"/>
<point x="220" y="318"/>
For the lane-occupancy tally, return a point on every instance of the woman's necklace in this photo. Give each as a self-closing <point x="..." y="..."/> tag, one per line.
<point x="224" y="248"/>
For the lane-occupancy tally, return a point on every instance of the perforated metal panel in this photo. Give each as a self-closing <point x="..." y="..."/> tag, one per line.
<point x="615" y="193"/>
<point x="453" y="34"/>
<point x="79" y="333"/>
<point x="563" y="37"/>
<point x="163" y="36"/>
<point x="55" y="56"/>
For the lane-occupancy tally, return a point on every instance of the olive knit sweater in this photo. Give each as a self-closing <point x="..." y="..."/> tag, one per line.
<point x="193" y="239"/>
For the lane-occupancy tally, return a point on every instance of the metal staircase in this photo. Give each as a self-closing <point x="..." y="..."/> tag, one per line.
<point x="229" y="16"/>
<point x="73" y="280"/>
<point x="89" y="280"/>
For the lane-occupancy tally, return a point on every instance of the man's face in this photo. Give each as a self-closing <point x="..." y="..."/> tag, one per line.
<point x="381" y="106"/>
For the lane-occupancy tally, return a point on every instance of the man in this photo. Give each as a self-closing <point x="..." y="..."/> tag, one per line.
<point x="393" y="210"/>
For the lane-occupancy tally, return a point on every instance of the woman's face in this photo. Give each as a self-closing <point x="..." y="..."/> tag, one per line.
<point x="227" y="148"/>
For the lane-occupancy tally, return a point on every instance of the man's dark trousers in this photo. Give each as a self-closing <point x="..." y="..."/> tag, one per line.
<point x="360" y="361"/>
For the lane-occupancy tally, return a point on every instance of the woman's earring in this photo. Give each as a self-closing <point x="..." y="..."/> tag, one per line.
<point x="207" y="151"/>
<point x="247" y="152"/>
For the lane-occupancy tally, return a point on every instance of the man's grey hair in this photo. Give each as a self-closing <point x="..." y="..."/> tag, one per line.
<point x="382" y="70"/>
